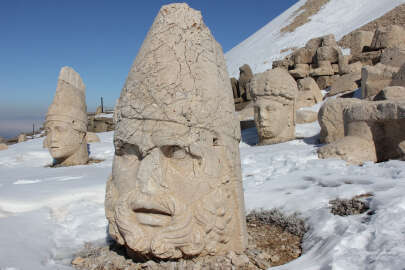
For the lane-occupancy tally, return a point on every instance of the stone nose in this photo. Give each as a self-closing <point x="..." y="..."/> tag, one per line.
<point x="151" y="177"/>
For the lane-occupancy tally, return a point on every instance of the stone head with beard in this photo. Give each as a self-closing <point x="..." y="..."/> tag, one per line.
<point x="176" y="188"/>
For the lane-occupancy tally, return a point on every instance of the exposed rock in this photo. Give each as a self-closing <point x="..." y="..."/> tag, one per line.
<point x="330" y="118"/>
<point x="100" y="123"/>
<point x="300" y="71"/>
<point x="343" y="207"/>
<point x="304" y="116"/>
<point x="245" y="75"/>
<point x="401" y="150"/>
<point x="309" y="93"/>
<point x="392" y="36"/>
<point x="345" y="83"/>
<point x="327" y="53"/>
<point x="359" y="40"/>
<point x="335" y="68"/>
<point x="92" y="137"/>
<point x="375" y="78"/>
<point x="391" y="93"/>
<point x="3" y="146"/>
<point x="66" y="121"/>
<point x="176" y="169"/>
<point x="303" y="56"/>
<point x="313" y="44"/>
<point x="274" y="93"/>
<point x="22" y="138"/>
<point x="393" y="57"/>
<point x="235" y="89"/>
<point x="324" y="69"/>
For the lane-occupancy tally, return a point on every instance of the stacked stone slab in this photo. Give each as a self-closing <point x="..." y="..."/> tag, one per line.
<point x="274" y="94"/>
<point x="176" y="186"/>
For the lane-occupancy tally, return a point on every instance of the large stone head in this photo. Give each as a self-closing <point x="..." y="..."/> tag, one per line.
<point x="176" y="185"/>
<point x="66" y="120"/>
<point x="274" y="93"/>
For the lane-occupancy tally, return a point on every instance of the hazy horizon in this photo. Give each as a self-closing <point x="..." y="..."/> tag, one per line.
<point x="100" y="40"/>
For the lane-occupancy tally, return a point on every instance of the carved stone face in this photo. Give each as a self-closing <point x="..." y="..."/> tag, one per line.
<point x="272" y="117"/>
<point x="62" y="140"/>
<point x="177" y="196"/>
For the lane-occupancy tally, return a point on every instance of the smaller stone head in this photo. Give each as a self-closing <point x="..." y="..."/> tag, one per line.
<point x="66" y="120"/>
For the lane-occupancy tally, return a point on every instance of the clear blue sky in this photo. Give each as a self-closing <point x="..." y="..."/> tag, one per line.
<point x="100" y="40"/>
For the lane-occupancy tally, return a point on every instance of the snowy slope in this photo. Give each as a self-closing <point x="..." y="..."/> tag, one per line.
<point x="338" y="17"/>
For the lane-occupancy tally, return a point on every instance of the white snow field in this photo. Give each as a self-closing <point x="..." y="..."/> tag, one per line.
<point x="338" y="17"/>
<point x="47" y="214"/>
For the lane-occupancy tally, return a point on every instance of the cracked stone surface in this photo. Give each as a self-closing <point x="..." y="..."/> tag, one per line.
<point x="66" y="121"/>
<point x="176" y="187"/>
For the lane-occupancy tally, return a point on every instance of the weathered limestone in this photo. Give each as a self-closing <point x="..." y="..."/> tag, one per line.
<point x="308" y="93"/>
<point x="284" y="63"/>
<point x="324" y="81"/>
<point x="245" y="75"/>
<point x="329" y="40"/>
<point x="304" y="116"/>
<point x="324" y="69"/>
<point x="392" y="36"/>
<point x="375" y="78"/>
<point x="327" y="53"/>
<point x="22" y="138"/>
<point x="313" y="44"/>
<point x="3" y="146"/>
<point x="330" y="118"/>
<point x="359" y="40"/>
<point x="303" y="56"/>
<point x="92" y="137"/>
<point x="274" y="92"/>
<point x="66" y="121"/>
<point x="393" y="57"/>
<point x="398" y="78"/>
<point x="391" y="93"/>
<point x="176" y="186"/>
<point x="344" y="84"/>
<point x="300" y="71"/>
<point x="373" y="132"/>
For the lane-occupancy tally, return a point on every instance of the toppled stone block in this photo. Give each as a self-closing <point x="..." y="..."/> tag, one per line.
<point x="392" y="36"/>
<point x="330" y="118"/>
<point x="367" y="58"/>
<point x="304" y="116"/>
<point x="324" y="69"/>
<point x="308" y="93"/>
<point x="325" y="81"/>
<point x="313" y="44"/>
<point x="375" y="78"/>
<point x="393" y="57"/>
<point x="284" y="63"/>
<point x="327" y="53"/>
<point x="274" y="94"/>
<point x="391" y="93"/>
<point x="360" y="40"/>
<point x="344" y="84"/>
<point x="300" y="71"/>
<point x="303" y="56"/>
<point x="329" y="40"/>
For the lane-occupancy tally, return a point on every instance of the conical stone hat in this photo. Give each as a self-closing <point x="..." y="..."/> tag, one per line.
<point x="69" y="103"/>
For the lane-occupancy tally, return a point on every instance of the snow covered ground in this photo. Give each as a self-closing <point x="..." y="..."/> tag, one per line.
<point x="47" y="214"/>
<point x="338" y="17"/>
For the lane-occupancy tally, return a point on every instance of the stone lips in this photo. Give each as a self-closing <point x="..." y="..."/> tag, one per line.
<point x="176" y="114"/>
<point x="69" y="102"/>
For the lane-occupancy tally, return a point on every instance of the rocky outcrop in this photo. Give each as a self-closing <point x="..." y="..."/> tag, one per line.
<point x="176" y="186"/>
<point x="66" y="121"/>
<point x="274" y="92"/>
